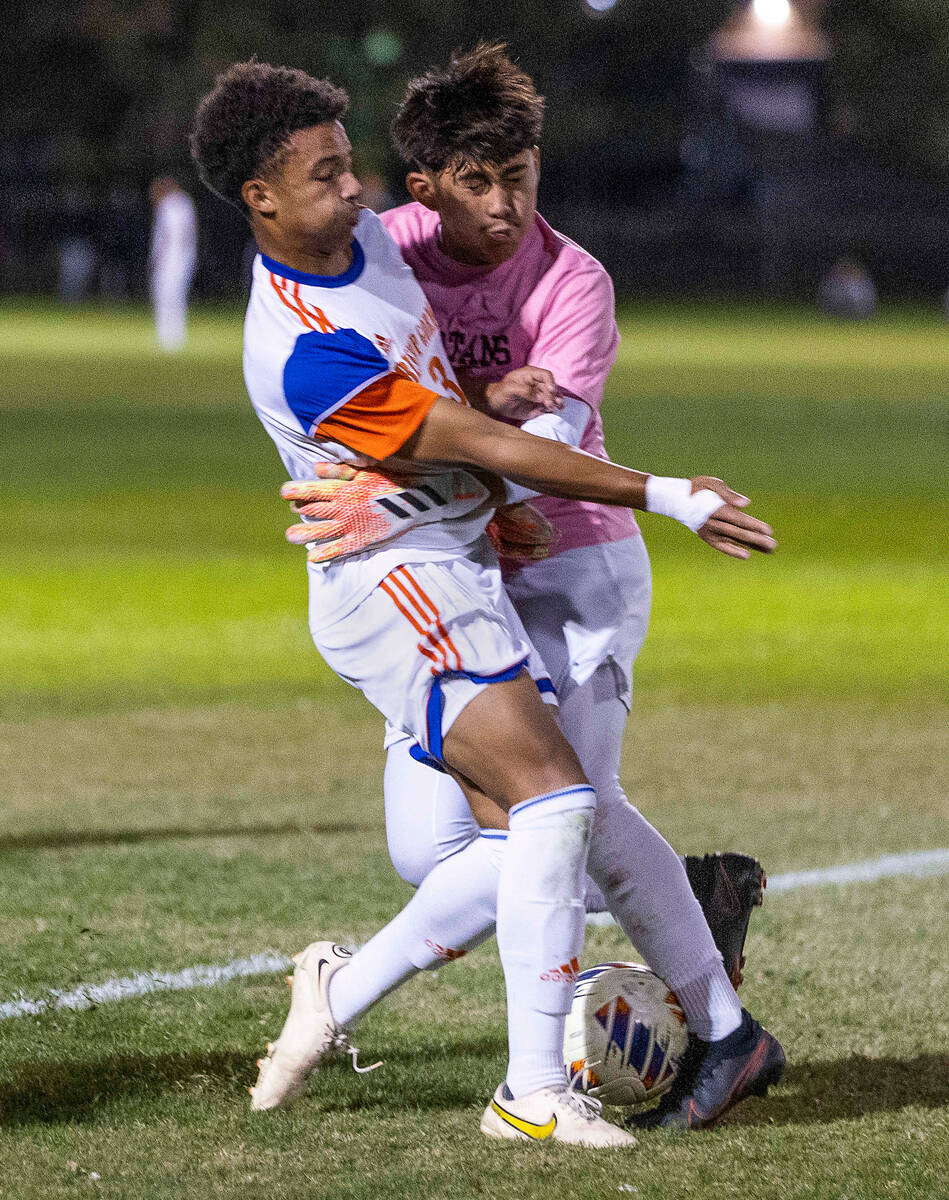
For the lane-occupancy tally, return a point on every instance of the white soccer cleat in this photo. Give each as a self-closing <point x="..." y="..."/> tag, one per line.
<point x="309" y="1035"/>
<point x="552" y="1116"/>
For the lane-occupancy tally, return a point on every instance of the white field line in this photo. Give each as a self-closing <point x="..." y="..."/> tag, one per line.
<point x="91" y="995"/>
<point x="920" y="862"/>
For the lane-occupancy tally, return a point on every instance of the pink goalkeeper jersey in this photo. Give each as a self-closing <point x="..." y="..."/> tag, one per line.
<point x="552" y="306"/>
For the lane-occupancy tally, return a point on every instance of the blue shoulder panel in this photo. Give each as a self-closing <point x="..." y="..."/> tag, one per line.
<point x="326" y="368"/>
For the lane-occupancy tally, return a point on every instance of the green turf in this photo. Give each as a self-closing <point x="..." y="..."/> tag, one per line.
<point x="185" y="783"/>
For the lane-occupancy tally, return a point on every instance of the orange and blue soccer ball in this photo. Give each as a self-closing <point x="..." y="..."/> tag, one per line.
<point x="625" y="1034"/>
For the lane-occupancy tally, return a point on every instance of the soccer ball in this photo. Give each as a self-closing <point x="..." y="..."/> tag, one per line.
<point x="625" y="1034"/>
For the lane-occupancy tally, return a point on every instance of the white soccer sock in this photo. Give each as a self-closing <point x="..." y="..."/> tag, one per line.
<point x="451" y="912"/>
<point x="647" y="890"/>
<point x="710" y="1003"/>
<point x="642" y="879"/>
<point x="540" y="927"/>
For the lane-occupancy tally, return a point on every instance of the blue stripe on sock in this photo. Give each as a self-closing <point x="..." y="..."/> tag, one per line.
<point x="580" y="787"/>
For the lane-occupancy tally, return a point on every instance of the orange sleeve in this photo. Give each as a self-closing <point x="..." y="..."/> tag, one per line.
<point x="381" y="418"/>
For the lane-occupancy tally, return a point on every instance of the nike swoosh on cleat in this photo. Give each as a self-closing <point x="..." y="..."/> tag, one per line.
<point x="530" y="1129"/>
<point x="738" y="1091"/>
<point x="755" y="1062"/>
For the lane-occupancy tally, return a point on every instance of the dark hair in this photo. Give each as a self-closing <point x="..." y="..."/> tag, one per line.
<point x="247" y="118"/>
<point x="480" y="108"/>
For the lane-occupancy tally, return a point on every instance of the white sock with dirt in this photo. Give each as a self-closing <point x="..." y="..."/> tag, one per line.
<point x="540" y="928"/>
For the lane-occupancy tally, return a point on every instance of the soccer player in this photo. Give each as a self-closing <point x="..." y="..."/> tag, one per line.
<point x="510" y="294"/>
<point x="343" y="363"/>
<point x="172" y="260"/>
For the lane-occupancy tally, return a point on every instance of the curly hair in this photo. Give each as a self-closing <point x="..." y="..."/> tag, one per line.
<point x="243" y="124"/>
<point x="481" y="108"/>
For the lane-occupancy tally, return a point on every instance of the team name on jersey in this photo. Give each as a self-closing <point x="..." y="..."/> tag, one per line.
<point x="477" y="350"/>
<point x="410" y="364"/>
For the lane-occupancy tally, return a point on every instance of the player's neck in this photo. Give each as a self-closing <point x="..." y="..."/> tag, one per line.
<point x="308" y="259"/>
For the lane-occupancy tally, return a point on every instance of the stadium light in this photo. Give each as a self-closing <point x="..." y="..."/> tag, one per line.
<point x="600" y="6"/>
<point x="772" y="12"/>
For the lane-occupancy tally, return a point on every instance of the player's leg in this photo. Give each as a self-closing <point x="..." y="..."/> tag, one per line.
<point x="429" y="819"/>
<point x="641" y="876"/>
<point x="490" y="725"/>
<point x="534" y="775"/>
<point x="587" y="610"/>
<point x="540" y="911"/>
<point x="427" y="816"/>
<point x="170" y="300"/>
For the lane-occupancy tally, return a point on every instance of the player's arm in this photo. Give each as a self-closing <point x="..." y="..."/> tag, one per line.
<point x="341" y="389"/>
<point x="451" y="434"/>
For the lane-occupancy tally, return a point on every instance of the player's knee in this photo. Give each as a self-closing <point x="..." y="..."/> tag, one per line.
<point x="410" y="862"/>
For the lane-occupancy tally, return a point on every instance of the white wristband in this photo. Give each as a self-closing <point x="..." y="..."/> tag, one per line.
<point x="673" y="498"/>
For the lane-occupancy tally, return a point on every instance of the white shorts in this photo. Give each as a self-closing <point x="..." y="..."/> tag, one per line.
<point x="425" y="642"/>
<point x="586" y="608"/>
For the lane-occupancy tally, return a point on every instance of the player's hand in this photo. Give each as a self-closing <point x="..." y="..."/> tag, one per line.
<point x="730" y="530"/>
<point x="350" y="510"/>
<point x="521" y="394"/>
<point x="338" y="503"/>
<point x="521" y="533"/>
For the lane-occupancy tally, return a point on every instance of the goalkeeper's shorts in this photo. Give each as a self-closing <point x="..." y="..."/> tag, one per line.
<point x="426" y="641"/>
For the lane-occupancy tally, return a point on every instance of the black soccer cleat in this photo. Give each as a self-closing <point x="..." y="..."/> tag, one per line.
<point x="715" y="1076"/>
<point x="728" y="887"/>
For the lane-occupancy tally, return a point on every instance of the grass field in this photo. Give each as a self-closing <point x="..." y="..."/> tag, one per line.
<point x="185" y="783"/>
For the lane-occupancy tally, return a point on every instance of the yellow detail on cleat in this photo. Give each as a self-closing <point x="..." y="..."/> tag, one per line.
<point x="289" y="979"/>
<point x="538" y="1133"/>
<point x="295" y="958"/>
<point x="260" y="1063"/>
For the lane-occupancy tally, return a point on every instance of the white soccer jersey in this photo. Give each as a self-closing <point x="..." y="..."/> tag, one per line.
<point x="344" y="368"/>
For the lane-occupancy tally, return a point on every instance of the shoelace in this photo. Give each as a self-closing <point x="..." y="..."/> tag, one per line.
<point x="339" y="1040"/>
<point x="587" y="1107"/>
<point x="353" y="1052"/>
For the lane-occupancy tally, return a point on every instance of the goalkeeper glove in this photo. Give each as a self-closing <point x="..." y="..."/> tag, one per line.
<point x="352" y="510"/>
<point x="520" y="533"/>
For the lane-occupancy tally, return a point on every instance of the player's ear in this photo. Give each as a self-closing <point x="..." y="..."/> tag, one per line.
<point x="256" y="195"/>
<point x="420" y="187"/>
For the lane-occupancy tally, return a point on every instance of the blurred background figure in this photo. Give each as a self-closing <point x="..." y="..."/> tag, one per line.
<point x="848" y="291"/>
<point x="77" y="248"/>
<point x="172" y="259"/>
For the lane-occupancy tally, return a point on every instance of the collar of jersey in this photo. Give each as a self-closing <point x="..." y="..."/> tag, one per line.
<point x="350" y="275"/>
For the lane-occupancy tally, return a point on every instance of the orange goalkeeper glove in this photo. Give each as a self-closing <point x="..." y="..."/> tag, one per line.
<point x="521" y="533"/>
<point x="351" y="510"/>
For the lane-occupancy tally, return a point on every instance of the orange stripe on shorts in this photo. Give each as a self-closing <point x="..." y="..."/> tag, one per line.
<point x="442" y="659"/>
<point x="403" y="573"/>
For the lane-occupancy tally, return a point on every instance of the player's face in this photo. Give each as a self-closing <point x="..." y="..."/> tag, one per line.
<point x="486" y="209"/>
<point x="309" y="200"/>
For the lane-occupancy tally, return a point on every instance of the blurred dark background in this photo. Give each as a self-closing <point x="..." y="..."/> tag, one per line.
<point x="698" y="147"/>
